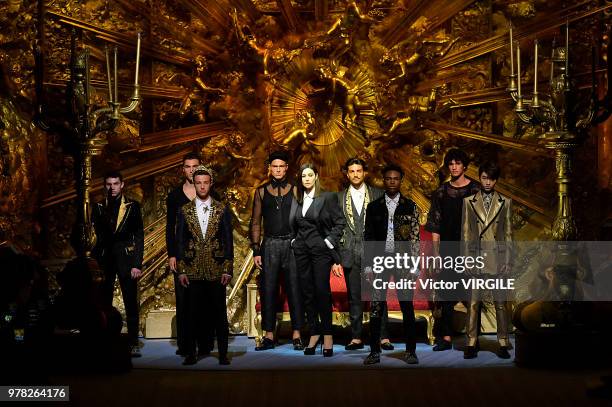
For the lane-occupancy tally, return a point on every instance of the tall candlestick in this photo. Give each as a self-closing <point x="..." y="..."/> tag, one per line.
<point x="137" y="60"/>
<point x="567" y="49"/>
<point x="552" y="63"/>
<point x="535" y="68"/>
<point x="108" y="75"/>
<point x="116" y="99"/>
<point x="518" y="68"/>
<point x="511" y="53"/>
<point x="593" y="64"/>
<point x="87" y="76"/>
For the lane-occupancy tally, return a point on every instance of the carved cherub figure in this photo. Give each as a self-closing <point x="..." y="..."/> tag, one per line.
<point x="428" y="48"/>
<point x="301" y="134"/>
<point x="352" y="103"/>
<point x="280" y="56"/>
<point x="343" y="30"/>
<point x="196" y="100"/>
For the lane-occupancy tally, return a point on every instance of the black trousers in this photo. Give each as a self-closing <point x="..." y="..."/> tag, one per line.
<point x="278" y="259"/>
<point x="205" y="301"/>
<point x="352" y="278"/>
<point x="129" y="292"/>
<point x="443" y="324"/>
<point x="181" y="314"/>
<point x="379" y="309"/>
<point x="314" y="265"/>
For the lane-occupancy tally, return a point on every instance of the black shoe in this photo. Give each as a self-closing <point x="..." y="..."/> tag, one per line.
<point x="297" y="344"/>
<point x="190" y="360"/>
<point x="223" y="360"/>
<point x="135" y="351"/>
<point x="181" y="352"/>
<point x="373" y="358"/>
<point x="470" y="352"/>
<point x="503" y="353"/>
<point x="411" y="358"/>
<point x="312" y="350"/>
<point x="328" y="353"/>
<point x="386" y="346"/>
<point x="443" y="345"/>
<point x="354" y="346"/>
<point x="265" y="344"/>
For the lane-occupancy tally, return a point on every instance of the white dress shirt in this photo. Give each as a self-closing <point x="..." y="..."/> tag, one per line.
<point x="203" y="211"/>
<point x="308" y="200"/>
<point x="358" y="196"/>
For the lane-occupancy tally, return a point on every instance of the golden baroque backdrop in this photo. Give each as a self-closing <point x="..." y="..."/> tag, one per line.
<point x="387" y="80"/>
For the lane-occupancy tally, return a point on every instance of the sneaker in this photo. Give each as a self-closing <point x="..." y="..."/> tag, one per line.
<point x="442" y="345"/>
<point x="373" y="358"/>
<point x="135" y="351"/>
<point x="386" y="346"/>
<point x="503" y="353"/>
<point x="265" y="344"/>
<point x="411" y="358"/>
<point x="470" y="352"/>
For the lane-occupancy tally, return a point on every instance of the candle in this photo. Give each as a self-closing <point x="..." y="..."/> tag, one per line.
<point x="86" y="76"/>
<point x="567" y="49"/>
<point x="108" y="75"/>
<point x="518" y="68"/>
<point x="116" y="99"/>
<point x="137" y="60"/>
<point x="535" y="69"/>
<point x="511" y="53"/>
<point x="593" y="64"/>
<point x="552" y="63"/>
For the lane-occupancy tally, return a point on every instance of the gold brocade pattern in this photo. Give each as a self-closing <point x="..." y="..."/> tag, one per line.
<point x="349" y="206"/>
<point x="200" y="258"/>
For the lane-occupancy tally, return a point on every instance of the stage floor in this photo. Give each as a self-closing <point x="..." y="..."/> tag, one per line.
<point x="160" y="354"/>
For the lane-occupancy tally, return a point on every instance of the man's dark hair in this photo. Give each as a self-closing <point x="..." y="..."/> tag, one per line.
<point x="393" y="167"/>
<point x="278" y="155"/>
<point x="191" y="156"/>
<point x="355" y="161"/>
<point x="113" y="174"/>
<point x="202" y="172"/>
<point x="457" y="155"/>
<point x="491" y="168"/>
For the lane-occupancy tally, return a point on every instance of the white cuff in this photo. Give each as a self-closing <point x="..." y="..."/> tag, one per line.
<point x="329" y="245"/>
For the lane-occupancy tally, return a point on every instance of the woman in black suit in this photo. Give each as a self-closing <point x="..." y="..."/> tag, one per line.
<point x="319" y="223"/>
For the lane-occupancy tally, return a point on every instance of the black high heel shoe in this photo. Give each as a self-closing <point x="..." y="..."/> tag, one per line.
<point x="311" y="351"/>
<point x="297" y="344"/>
<point x="327" y="353"/>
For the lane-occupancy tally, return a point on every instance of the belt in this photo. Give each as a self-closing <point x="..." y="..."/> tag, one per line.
<point x="283" y="237"/>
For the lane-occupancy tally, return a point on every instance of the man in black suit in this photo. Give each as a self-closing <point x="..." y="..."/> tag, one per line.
<point x="119" y="248"/>
<point x="205" y="262"/>
<point x="354" y="201"/>
<point x="178" y="197"/>
<point x="391" y="219"/>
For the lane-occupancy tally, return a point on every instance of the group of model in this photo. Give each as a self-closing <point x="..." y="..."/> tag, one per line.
<point x="300" y="234"/>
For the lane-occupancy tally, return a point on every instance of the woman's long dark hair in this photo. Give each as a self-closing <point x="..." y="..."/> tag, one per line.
<point x="299" y="194"/>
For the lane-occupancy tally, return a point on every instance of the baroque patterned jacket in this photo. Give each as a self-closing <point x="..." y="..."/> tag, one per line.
<point x="205" y="257"/>
<point x="405" y="221"/>
<point x="351" y="244"/>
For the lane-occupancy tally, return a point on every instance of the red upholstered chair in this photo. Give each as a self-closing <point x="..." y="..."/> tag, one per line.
<point x="340" y="306"/>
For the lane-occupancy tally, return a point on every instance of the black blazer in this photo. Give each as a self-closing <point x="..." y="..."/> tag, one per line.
<point x="123" y="246"/>
<point x="329" y="218"/>
<point x="405" y="220"/>
<point x="205" y="257"/>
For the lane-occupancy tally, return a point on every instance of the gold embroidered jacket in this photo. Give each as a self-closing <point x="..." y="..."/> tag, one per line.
<point x="205" y="257"/>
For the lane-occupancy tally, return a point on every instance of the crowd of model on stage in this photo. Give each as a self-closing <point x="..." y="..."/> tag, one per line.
<point x="300" y="234"/>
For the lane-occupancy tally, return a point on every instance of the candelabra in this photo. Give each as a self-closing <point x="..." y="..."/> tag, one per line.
<point x="564" y="119"/>
<point x="85" y="127"/>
